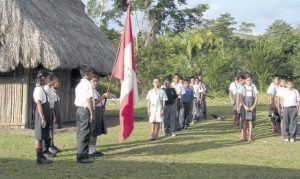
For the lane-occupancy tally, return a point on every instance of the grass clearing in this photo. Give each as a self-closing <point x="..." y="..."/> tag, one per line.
<point x="209" y="149"/>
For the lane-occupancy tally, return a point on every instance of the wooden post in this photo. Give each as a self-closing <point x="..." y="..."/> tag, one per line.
<point x="25" y="99"/>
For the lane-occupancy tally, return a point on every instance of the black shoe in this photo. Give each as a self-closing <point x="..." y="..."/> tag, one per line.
<point x="49" y="154"/>
<point x="85" y="160"/>
<point x="98" y="154"/>
<point x="43" y="160"/>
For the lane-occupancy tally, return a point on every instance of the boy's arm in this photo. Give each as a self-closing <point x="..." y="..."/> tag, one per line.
<point x="90" y="107"/>
<point x="148" y="108"/>
<point x="231" y="97"/>
<point x="255" y="103"/>
<point x="280" y="107"/>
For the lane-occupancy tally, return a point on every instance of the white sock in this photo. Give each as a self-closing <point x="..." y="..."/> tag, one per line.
<point x="92" y="149"/>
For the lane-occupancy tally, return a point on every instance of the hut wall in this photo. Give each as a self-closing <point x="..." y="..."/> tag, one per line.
<point x="14" y="111"/>
<point x="67" y="96"/>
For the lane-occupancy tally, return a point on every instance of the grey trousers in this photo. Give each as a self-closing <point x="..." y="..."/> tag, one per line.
<point x="290" y="122"/>
<point x="83" y="132"/>
<point x="169" y="123"/>
<point x="179" y="118"/>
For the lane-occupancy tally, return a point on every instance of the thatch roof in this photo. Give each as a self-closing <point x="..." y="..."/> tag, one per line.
<point x="51" y="33"/>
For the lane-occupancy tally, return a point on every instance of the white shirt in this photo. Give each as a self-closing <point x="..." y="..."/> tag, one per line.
<point x="272" y="89"/>
<point x="279" y="91"/>
<point x="196" y="90"/>
<point x="96" y="96"/>
<point x="52" y="96"/>
<point x="83" y="91"/>
<point x="178" y="88"/>
<point x="248" y="90"/>
<point x="290" y="97"/>
<point x="39" y="94"/>
<point x="156" y="97"/>
<point x="203" y="88"/>
<point x="234" y="87"/>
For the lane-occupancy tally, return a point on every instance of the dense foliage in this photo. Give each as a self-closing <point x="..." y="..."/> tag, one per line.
<point x="214" y="48"/>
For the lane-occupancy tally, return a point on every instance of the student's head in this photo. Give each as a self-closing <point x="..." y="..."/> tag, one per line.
<point x="167" y="82"/>
<point x="186" y="83"/>
<point x="86" y="72"/>
<point x="275" y="79"/>
<point x="49" y="79"/>
<point x="200" y="77"/>
<point x="282" y="81"/>
<point x="241" y="79"/>
<point x="95" y="81"/>
<point x="197" y="81"/>
<point x="192" y="79"/>
<point x="155" y="82"/>
<point x="176" y="78"/>
<point x="248" y="80"/>
<point x="41" y="77"/>
<point x="289" y="84"/>
<point x="52" y="80"/>
<point x="180" y="81"/>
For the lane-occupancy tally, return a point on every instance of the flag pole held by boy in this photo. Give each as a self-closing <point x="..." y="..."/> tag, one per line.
<point x="125" y="70"/>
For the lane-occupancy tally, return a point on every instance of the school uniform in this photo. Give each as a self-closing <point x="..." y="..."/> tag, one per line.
<point x="203" y="103"/>
<point x="187" y="100"/>
<point x="234" y="88"/>
<point x="290" y="112"/>
<point x="248" y="94"/>
<point x="179" y="106"/>
<point x="273" y="111"/>
<point x="39" y="94"/>
<point x="169" y="123"/>
<point x="98" y="127"/>
<point x="197" y="112"/>
<point x="156" y="98"/>
<point x="83" y="91"/>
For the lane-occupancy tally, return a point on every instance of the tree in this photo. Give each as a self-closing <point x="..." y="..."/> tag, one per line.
<point x="246" y="28"/>
<point x="279" y="27"/>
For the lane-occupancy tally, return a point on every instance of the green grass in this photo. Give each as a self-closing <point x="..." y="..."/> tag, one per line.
<point x="210" y="149"/>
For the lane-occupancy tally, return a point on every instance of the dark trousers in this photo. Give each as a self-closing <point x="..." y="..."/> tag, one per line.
<point x="179" y="115"/>
<point x="290" y="122"/>
<point x="169" y="123"/>
<point x="187" y="112"/>
<point x="203" y="108"/>
<point x="83" y="132"/>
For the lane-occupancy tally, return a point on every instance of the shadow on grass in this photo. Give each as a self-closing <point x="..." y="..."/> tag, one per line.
<point x="106" y="168"/>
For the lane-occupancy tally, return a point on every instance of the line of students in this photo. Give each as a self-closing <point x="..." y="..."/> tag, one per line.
<point x="89" y="116"/>
<point x="283" y="102"/>
<point x="176" y="105"/>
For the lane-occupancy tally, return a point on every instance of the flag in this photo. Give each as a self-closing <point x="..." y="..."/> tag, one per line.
<point x="124" y="70"/>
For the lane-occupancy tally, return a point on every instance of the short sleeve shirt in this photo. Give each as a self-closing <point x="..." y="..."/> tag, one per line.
<point x="179" y="89"/>
<point x="39" y="94"/>
<point x="248" y="90"/>
<point x="96" y="96"/>
<point x="290" y="97"/>
<point x="272" y="89"/>
<point x="52" y="96"/>
<point x="156" y="97"/>
<point x="83" y="91"/>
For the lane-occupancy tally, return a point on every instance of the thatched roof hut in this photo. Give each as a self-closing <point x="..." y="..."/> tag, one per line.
<point x="53" y="34"/>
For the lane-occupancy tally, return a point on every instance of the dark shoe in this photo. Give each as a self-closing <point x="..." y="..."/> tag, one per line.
<point x="98" y="154"/>
<point x="49" y="154"/>
<point x="85" y="160"/>
<point x="43" y="160"/>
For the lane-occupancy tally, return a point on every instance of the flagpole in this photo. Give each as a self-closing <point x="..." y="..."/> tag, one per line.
<point x="111" y="74"/>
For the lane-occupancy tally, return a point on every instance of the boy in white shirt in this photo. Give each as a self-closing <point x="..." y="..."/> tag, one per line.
<point x="179" y="106"/>
<point x="233" y="87"/>
<point x="273" y="112"/>
<point x="290" y="103"/>
<point x="156" y="98"/>
<point x="84" y="114"/>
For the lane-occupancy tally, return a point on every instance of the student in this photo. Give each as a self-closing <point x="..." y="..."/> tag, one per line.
<point x="198" y="93"/>
<point x="204" y="92"/>
<point x="42" y="118"/>
<point x="52" y="98"/>
<point x="84" y="114"/>
<point x="278" y="98"/>
<point x="156" y="98"/>
<point x="248" y="110"/>
<point x="290" y="103"/>
<point x="187" y="100"/>
<point x="169" y="123"/>
<point x="57" y="112"/>
<point x="179" y="106"/>
<point x="98" y="127"/>
<point x="233" y="88"/>
<point x="273" y="112"/>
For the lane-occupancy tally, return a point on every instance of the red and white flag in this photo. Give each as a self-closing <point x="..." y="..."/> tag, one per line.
<point x="124" y="70"/>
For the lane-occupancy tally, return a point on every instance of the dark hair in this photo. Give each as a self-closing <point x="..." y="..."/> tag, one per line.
<point x="94" y="76"/>
<point x="247" y="76"/>
<point x="155" y="78"/>
<point x="84" y="70"/>
<point x="289" y="80"/>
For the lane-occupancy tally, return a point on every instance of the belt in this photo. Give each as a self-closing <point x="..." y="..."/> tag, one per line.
<point x="289" y="106"/>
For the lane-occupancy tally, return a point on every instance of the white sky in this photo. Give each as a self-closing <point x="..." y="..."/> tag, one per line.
<point x="260" y="12"/>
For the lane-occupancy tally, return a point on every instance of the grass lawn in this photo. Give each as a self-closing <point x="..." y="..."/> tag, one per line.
<point x="209" y="149"/>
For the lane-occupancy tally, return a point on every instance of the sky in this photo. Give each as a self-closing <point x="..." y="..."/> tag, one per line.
<point x="260" y="12"/>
